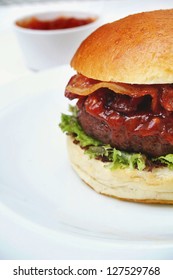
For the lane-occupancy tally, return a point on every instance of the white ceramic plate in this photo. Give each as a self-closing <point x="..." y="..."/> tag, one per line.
<point x="46" y="211"/>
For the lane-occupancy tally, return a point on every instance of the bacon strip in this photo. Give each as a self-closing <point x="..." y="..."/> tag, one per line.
<point x="84" y="86"/>
<point x="166" y="99"/>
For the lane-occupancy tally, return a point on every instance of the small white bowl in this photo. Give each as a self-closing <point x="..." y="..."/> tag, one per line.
<point x="49" y="48"/>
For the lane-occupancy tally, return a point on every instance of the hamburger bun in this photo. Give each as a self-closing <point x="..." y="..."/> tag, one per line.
<point x="126" y="184"/>
<point x="134" y="53"/>
<point x="137" y="49"/>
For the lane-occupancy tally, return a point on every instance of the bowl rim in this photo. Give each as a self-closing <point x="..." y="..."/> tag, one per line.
<point x="57" y="13"/>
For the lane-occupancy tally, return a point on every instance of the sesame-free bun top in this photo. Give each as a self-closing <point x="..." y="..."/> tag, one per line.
<point x="137" y="49"/>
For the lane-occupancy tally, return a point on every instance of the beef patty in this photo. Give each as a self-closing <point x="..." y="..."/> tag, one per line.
<point x="126" y="123"/>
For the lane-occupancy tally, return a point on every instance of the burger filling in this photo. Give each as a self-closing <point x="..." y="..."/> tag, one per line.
<point x="129" y="118"/>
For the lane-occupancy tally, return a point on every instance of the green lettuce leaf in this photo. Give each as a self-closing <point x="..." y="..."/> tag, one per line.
<point x="167" y="160"/>
<point x="70" y="125"/>
<point x="96" y="149"/>
<point x="117" y="158"/>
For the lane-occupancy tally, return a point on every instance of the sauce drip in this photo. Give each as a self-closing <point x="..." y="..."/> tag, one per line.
<point x="58" y="23"/>
<point x="109" y="118"/>
<point x="133" y="113"/>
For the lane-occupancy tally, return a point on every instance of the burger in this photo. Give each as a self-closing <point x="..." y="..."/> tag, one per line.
<point x="120" y="132"/>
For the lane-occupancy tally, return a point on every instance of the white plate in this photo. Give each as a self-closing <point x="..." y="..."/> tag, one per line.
<point x="46" y="211"/>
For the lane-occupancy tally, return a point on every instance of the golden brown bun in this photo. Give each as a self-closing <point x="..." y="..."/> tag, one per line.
<point x="127" y="184"/>
<point x="137" y="49"/>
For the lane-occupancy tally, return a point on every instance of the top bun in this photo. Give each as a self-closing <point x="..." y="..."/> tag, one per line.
<point x="137" y="49"/>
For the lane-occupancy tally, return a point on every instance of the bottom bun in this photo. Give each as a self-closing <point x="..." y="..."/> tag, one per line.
<point x="154" y="186"/>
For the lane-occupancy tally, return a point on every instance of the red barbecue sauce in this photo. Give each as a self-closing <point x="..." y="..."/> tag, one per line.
<point x="140" y="120"/>
<point x="57" y="23"/>
<point x="134" y="113"/>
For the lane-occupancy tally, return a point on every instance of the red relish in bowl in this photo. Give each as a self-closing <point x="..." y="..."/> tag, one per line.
<point x="61" y="22"/>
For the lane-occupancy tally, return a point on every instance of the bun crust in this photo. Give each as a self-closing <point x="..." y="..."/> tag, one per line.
<point x="126" y="184"/>
<point x="137" y="49"/>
